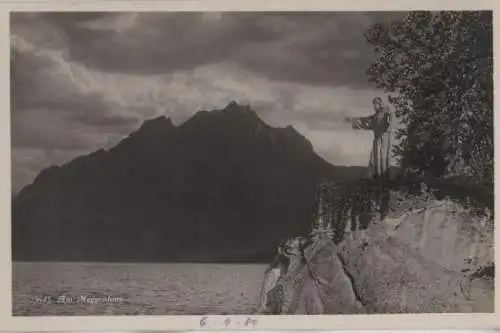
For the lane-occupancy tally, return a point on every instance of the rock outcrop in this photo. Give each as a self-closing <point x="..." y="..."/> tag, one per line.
<point x="422" y="261"/>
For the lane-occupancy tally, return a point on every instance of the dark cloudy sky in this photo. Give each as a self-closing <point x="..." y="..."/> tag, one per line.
<point x="83" y="81"/>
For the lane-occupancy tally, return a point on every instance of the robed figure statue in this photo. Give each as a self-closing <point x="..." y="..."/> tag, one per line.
<point x="380" y="123"/>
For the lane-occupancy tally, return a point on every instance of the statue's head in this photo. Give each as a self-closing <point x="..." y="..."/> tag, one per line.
<point x="377" y="103"/>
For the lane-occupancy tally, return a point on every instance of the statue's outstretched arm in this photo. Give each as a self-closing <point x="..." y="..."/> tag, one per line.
<point x="364" y="123"/>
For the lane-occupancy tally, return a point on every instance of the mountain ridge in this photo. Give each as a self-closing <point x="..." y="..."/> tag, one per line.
<point x="222" y="182"/>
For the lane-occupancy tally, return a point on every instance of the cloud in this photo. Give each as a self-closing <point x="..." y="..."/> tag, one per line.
<point x="44" y="79"/>
<point x="322" y="48"/>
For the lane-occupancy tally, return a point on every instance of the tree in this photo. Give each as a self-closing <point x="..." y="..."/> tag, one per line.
<point x="438" y="70"/>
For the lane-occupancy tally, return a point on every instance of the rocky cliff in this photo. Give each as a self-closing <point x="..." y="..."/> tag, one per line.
<point x="432" y="259"/>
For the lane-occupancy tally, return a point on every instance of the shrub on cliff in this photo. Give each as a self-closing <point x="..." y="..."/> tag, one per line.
<point x="365" y="200"/>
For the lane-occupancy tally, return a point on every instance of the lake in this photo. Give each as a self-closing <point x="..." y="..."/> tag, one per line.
<point x="135" y="289"/>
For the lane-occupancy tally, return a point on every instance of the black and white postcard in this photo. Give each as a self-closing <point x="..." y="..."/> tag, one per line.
<point x="231" y="168"/>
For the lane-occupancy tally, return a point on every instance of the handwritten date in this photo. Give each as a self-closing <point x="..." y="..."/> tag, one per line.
<point x="207" y="322"/>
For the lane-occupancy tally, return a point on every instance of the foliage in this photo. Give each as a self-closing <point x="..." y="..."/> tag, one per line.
<point x="438" y="69"/>
<point x="365" y="200"/>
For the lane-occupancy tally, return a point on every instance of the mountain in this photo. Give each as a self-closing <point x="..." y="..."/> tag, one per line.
<point x="222" y="186"/>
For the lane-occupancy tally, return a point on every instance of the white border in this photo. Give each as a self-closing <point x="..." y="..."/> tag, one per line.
<point x="134" y="323"/>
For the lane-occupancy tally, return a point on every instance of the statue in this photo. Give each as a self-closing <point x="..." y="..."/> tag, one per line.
<point x="380" y="123"/>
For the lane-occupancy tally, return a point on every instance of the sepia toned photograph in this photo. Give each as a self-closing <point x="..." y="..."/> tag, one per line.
<point x="251" y="163"/>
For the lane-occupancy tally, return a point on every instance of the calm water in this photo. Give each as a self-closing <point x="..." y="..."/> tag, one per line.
<point x="135" y="289"/>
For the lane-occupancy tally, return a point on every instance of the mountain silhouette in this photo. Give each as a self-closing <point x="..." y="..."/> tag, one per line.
<point x="222" y="186"/>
